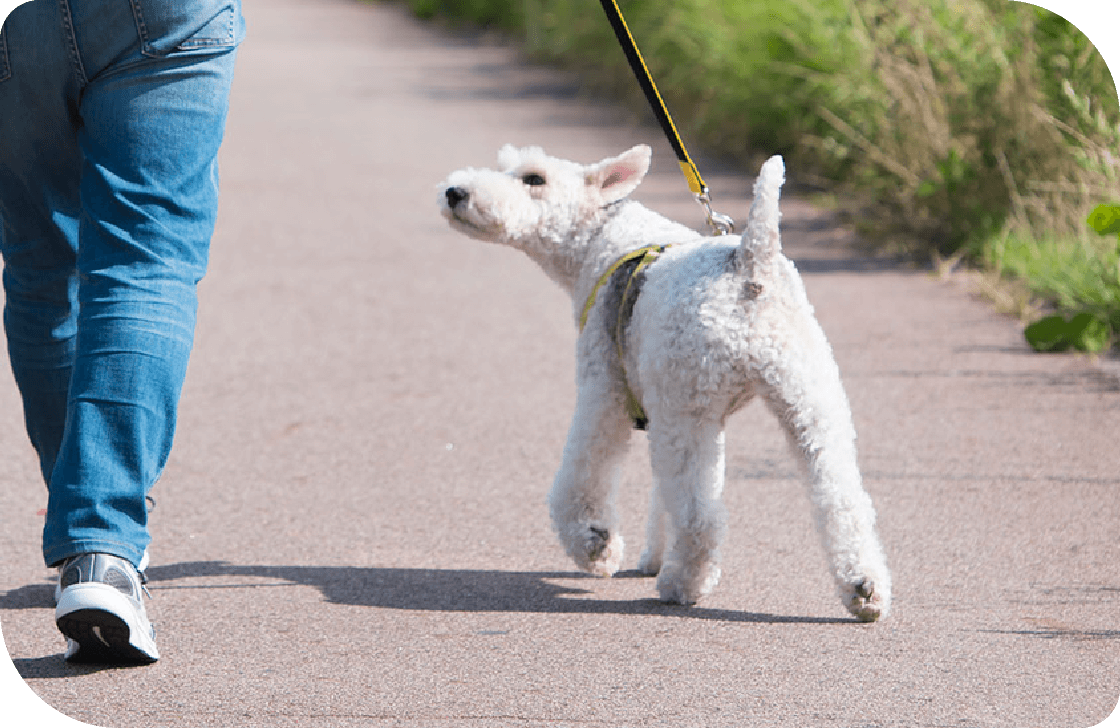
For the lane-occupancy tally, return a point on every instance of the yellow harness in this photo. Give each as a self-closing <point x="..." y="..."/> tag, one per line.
<point x="644" y="256"/>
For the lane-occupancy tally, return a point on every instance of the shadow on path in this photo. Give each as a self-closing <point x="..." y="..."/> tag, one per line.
<point x="453" y="590"/>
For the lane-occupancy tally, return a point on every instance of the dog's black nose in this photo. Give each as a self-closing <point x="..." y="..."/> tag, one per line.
<point x="456" y="195"/>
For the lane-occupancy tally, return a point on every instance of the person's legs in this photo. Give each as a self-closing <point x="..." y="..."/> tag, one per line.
<point x="152" y="118"/>
<point x="39" y="210"/>
<point x="111" y="115"/>
<point x="129" y="98"/>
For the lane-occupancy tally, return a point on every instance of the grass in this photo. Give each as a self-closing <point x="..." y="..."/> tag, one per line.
<point x="985" y="129"/>
<point x="1078" y="281"/>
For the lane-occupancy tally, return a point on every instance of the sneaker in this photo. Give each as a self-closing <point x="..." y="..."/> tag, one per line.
<point x="58" y="582"/>
<point x="142" y="567"/>
<point x="101" y="611"/>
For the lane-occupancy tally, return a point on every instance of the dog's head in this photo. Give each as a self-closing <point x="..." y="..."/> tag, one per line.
<point x="533" y="200"/>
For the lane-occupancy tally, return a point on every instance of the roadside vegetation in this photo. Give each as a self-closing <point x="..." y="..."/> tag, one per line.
<point x="985" y="131"/>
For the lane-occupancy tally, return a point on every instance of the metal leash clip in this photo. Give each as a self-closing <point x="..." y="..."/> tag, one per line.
<point x="721" y="224"/>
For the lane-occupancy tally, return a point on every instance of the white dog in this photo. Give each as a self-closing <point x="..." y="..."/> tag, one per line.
<point x="678" y="332"/>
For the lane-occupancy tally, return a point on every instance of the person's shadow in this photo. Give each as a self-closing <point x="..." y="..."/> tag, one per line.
<point x="455" y="590"/>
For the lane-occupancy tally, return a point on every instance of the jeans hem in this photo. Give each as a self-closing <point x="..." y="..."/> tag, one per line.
<point x="57" y="554"/>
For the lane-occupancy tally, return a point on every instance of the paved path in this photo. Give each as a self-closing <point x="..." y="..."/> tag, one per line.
<point x="352" y="530"/>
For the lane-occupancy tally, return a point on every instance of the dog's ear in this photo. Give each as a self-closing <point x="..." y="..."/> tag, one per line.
<point x="509" y="157"/>
<point x="618" y="176"/>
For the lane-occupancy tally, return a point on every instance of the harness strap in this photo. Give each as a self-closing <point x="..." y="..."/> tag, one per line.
<point x="639" y="253"/>
<point x="643" y="256"/>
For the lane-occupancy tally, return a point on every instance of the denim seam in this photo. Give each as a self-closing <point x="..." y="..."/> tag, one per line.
<point x="190" y="43"/>
<point x="5" y="64"/>
<point x="72" y="41"/>
<point x="141" y="28"/>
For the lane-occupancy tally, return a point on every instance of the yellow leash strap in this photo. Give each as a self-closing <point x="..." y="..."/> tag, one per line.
<point x="721" y="224"/>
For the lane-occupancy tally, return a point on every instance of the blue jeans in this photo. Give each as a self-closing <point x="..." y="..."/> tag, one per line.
<point x="111" y="115"/>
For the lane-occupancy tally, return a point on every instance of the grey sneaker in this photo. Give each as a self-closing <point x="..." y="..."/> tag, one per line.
<point x="58" y="583"/>
<point x="101" y="611"/>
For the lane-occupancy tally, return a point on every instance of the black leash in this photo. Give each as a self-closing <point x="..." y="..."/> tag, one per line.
<point x="721" y="224"/>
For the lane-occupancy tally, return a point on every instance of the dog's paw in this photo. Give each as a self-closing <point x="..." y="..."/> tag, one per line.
<point x="650" y="562"/>
<point x="865" y="600"/>
<point x="598" y="551"/>
<point x="677" y="587"/>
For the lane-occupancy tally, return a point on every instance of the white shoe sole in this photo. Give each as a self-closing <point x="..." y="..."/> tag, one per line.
<point x="103" y="625"/>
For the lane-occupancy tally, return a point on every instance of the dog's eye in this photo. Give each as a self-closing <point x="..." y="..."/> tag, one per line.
<point x="533" y="179"/>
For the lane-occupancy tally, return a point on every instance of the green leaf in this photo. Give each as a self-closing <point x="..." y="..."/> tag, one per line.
<point x="1105" y="219"/>
<point x="1085" y="332"/>
<point x="1049" y="334"/>
<point x="1089" y="333"/>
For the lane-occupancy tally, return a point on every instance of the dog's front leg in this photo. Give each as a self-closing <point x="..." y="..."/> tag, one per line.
<point x="688" y="464"/>
<point x="582" y="498"/>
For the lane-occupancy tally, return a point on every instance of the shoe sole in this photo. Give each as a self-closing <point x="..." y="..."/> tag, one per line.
<point x="91" y="617"/>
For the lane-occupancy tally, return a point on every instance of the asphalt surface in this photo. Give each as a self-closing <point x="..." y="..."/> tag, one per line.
<point x="352" y="530"/>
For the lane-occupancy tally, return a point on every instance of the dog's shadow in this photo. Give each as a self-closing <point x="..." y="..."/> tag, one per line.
<point x="455" y="590"/>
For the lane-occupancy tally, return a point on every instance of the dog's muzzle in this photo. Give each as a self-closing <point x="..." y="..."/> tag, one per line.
<point x="459" y="213"/>
<point x="456" y="196"/>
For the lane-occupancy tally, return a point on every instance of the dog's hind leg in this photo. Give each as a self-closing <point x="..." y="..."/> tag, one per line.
<point x="656" y="531"/>
<point x="688" y="464"/>
<point x="813" y="408"/>
<point x="582" y="498"/>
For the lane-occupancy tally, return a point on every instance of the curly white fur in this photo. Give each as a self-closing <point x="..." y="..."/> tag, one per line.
<point x="718" y="321"/>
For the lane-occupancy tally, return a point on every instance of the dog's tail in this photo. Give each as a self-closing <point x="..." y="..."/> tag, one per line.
<point x="761" y="242"/>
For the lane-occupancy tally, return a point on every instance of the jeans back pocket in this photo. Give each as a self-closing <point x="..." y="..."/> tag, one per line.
<point x="176" y="27"/>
